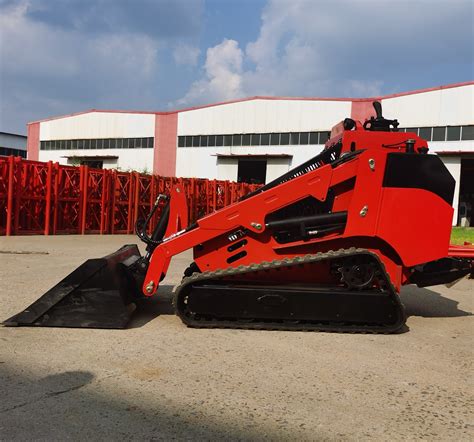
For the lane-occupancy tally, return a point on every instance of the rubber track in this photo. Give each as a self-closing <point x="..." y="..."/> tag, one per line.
<point x="289" y="325"/>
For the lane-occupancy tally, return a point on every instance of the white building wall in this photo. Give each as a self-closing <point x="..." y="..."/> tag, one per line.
<point x="99" y="125"/>
<point x="277" y="167"/>
<point x="201" y="162"/>
<point x="443" y="107"/>
<point x="256" y="116"/>
<point x="226" y="168"/>
<point x="451" y="146"/>
<point x="140" y="160"/>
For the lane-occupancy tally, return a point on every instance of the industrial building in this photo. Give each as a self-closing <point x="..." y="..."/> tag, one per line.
<point x="12" y="144"/>
<point x="256" y="139"/>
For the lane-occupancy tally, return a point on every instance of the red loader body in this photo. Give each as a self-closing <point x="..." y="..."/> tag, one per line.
<point x="327" y="246"/>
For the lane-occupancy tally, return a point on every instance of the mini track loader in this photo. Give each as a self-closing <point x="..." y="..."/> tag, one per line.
<point x="327" y="246"/>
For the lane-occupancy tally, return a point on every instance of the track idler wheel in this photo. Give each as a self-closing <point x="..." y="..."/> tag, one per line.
<point x="357" y="273"/>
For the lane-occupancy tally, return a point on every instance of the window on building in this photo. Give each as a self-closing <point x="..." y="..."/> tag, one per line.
<point x="236" y="140"/>
<point x="425" y="133"/>
<point x="313" y="138"/>
<point x="439" y="134"/>
<point x="467" y="133"/>
<point x="304" y="137"/>
<point x="265" y="139"/>
<point x="323" y="137"/>
<point x="7" y="151"/>
<point x="453" y="133"/>
<point x="227" y="140"/>
<point x="295" y="138"/>
<point x="255" y="140"/>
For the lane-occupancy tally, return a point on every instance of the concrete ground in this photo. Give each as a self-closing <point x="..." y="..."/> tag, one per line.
<point x="161" y="380"/>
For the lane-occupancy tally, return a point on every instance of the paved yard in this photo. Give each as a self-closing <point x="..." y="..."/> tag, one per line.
<point x="161" y="380"/>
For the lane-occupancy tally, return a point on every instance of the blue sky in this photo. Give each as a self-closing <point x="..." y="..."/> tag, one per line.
<point x="62" y="56"/>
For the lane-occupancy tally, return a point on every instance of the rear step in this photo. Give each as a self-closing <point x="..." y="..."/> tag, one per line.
<point x="100" y="293"/>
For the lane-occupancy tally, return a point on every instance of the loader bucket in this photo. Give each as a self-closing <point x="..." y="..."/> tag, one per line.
<point x="100" y="293"/>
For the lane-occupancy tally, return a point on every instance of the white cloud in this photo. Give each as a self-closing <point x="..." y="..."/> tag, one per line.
<point x="55" y="52"/>
<point x="185" y="54"/>
<point x="339" y="48"/>
<point x="223" y="75"/>
<point x="52" y="62"/>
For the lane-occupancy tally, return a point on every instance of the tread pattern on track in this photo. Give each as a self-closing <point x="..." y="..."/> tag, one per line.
<point x="196" y="278"/>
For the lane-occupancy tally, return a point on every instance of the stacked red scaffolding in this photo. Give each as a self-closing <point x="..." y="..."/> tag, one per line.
<point x="49" y="198"/>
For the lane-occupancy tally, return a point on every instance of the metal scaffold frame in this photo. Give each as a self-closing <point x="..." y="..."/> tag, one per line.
<point x="49" y="198"/>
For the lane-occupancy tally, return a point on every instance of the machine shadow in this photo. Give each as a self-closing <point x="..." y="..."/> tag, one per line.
<point x="62" y="406"/>
<point x="429" y="304"/>
<point x="151" y="308"/>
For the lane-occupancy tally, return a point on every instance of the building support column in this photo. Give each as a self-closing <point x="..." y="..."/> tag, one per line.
<point x="33" y="141"/>
<point x="166" y="138"/>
